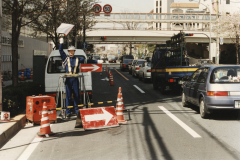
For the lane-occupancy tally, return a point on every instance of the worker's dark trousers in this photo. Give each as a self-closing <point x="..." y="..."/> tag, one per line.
<point x="72" y="87"/>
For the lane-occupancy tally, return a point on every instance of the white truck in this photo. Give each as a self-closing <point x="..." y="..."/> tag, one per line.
<point x="54" y="69"/>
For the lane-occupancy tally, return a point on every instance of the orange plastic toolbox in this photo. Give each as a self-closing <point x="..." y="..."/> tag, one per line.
<point x="34" y="105"/>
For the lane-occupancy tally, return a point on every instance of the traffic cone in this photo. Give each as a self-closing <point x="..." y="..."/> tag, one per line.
<point x="120" y="92"/>
<point x="45" y="130"/>
<point x="22" y="76"/>
<point x="31" y="76"/>
<point x="2" y="78"/>
<point x="111" y="78"/>
<point x="119" y="109"/>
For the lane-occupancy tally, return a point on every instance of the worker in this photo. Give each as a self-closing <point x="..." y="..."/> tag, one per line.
<point x="71" y="64"/>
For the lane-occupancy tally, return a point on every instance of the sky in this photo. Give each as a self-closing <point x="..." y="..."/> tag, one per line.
<point x="143" y="6"/>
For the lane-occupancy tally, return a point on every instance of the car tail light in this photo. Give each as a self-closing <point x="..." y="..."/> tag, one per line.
<point x="124" y="65"/>
<point x="217" y="93"/>
<point x="149" y="70"/>
<point x="171" y="80"/>
<point x="138" y="68"/>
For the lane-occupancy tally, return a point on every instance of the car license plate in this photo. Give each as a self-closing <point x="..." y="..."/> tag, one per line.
<point x="237" y="104"/>
<point x="180" y="82"/>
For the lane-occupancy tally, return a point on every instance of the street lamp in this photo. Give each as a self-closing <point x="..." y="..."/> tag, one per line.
<point x="210" y="26"/>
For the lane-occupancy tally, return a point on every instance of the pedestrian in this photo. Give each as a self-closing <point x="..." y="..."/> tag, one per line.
<point x="71" y="64"/>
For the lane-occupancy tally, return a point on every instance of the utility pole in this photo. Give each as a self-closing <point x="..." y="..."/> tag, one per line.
<point x="67" y="35"/>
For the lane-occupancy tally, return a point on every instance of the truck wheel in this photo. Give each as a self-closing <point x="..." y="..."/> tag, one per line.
<point x="155" y="85"/>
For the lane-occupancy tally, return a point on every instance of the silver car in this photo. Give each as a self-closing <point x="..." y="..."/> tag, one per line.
<point x="145" y="71"/>
<point x="213" y="87"/>
<point x="136" y="67"/>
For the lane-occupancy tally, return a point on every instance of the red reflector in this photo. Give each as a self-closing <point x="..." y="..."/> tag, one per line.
<point x="138" y="68"/>
<point x="217" y="93"/>
<point x="124" y="65"/>
<point x="171" y="80"/>
<point x="149" y="70"/>
<point x="53" y="94"/>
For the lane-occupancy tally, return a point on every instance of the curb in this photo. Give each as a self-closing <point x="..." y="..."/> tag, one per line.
<point x="8" y="130"/>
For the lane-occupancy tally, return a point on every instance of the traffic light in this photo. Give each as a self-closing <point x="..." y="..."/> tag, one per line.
<point x="103" y="38"/>
<point x="188" y="34"/>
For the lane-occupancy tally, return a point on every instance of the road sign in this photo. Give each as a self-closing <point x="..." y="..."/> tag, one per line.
<point x="84" y="45"/>
<point x="91" y="67"/>
<point x="221" y="40"/>
<point x="100" y="117"/>
<point x="107" y="8"/>
<point x="97" y="8"/>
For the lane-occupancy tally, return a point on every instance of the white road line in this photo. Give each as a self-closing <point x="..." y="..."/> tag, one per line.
<point x="29" y="150"/>
<point x="183" y="125"/>
<point x="139" y="88"/>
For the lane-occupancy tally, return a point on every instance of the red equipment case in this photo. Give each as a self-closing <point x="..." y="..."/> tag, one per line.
<point x="34" y="105"/>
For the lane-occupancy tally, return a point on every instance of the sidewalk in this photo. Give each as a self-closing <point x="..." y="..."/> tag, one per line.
<point x="9" y="129"/>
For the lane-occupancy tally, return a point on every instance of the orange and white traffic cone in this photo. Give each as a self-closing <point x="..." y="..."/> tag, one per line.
<point x="31" y="76"/>
<point x="22" y="76"/>
<point x="2" y="78"/>
<point x="111" y="78"/>
<point x="45" y="130"/>
<point x="120" y="92"/>
<point x="119" y="110"/>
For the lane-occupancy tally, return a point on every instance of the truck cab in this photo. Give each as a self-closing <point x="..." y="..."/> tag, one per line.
<point x="54" y="69"/>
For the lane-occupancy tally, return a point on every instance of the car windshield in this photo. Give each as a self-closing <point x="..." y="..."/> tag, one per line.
<point x="149" y="64"/>
<point x="225" y="75"/>
<point x="127" y="61"/>
<point x="55" y="64"/>
<point x="128" y="57"/>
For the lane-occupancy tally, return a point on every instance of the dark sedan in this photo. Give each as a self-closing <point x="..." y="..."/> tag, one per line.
<point x="213" y="87"/>
<point x="124" y="65"/>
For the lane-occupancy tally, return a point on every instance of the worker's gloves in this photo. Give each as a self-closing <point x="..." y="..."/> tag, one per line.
<point x="61" y="40"/>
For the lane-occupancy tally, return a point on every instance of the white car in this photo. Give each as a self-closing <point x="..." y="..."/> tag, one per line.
<point x="136" y="67"/>
<point x="144" y="72"/>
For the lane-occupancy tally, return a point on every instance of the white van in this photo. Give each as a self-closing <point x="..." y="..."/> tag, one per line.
<point x="54" y="69"/>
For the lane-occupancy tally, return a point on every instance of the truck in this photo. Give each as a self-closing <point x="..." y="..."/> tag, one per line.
<point x="170" y="64"/>
<point x="54" y="69"/>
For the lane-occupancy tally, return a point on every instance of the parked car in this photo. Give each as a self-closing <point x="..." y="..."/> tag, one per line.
<point x="124" y="65"/>
<point x="145" y="71"/>
<point x="136" y="67"/>
<point x="96" y="57"/>
<point x="112" y="59"/>
<point x="213" y="87"/>
<point x="130" y="66"/>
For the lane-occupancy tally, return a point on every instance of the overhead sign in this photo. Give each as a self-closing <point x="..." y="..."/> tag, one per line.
<point x="91" y="67"/>
<point x="84" y="45"/>
<point x="97" y="8"/>
<point x="107" y="8"/>
<point x="100" y="117"/>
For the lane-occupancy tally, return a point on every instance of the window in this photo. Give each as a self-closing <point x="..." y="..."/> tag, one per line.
<point x="55" y="64"/>
<point x="156" y="25"/>
<point x="160" y="10"/>
<point x="203" y="76"/>
<point x="195" y="75"/>
<point x="157" y="3"/>
<point x="225" y="75"/>
<point x="227" y="1"/>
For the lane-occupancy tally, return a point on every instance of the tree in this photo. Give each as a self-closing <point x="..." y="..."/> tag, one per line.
<point x="23" y="12"/>
<point x="228" y="26"/>
<point x="76" y="12"/>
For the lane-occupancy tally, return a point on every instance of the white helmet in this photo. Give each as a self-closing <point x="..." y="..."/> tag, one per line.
<point x="71" y="48"/>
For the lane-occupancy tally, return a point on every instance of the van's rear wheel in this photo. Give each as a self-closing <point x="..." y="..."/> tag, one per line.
<point x="202" y="109"/>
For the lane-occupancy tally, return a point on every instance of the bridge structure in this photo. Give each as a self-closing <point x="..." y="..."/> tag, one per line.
<point x="149" y="36"/>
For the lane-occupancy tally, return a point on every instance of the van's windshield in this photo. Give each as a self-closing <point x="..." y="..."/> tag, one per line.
<point x="55" y="64"/>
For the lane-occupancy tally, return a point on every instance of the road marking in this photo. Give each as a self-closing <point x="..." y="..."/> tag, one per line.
<point x="29" y="150"/>
<point x="139" y="88"/>
<point x="183" y="125"/>
<point x="122" y="75"/>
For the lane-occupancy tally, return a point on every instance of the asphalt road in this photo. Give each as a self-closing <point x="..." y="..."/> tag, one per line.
<point x="160" y="128"/>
